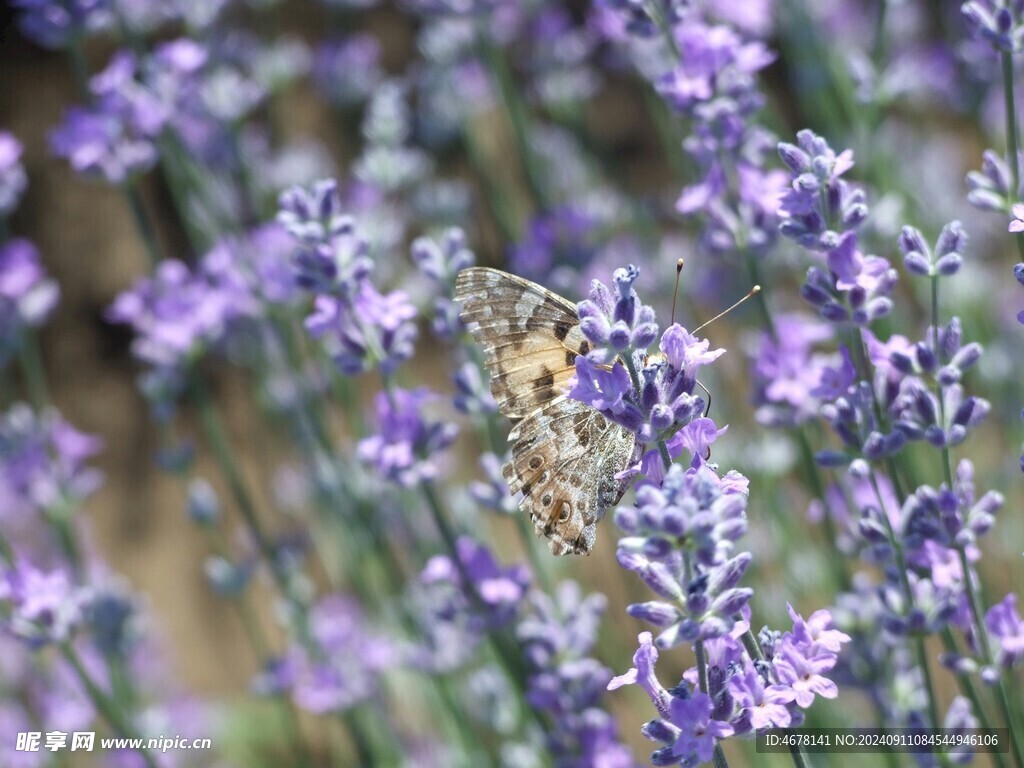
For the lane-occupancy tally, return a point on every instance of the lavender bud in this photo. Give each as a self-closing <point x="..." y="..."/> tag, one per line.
<point x="925" y="356"/>
<point x="794" y="157"/>
<point x="874" y="446"/>
<point x="1018" y="273"/>
<point x="661" y="417"/>
<point x="949" y="264"/>
<point x="659" y="730"/>
<point x="203" y="506"/>
<point x="728" y="574"/>
<point x="967" y="356"/>
<point x="916" y="263"/>
<point x="831" y="458"/>
<point x="935" y="436"/>
<point x="912" y="241"/>
<point x="654" y="612"/>
<point x="644" y="335"/>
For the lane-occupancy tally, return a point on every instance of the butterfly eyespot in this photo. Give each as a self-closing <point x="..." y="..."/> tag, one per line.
<point x="602" y="425"/>
<point x="543" y="478"/>
<point x="546" y="500"/>
<point x="566" y="511"/>
<point x="536" y="461"/>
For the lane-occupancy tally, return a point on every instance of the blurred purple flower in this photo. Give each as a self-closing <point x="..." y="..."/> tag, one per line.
<point x="27" y="295"/>
<point x="1004" y="624"/>
<point x="1017" y="225"/>
<point x="407" y="446"/>
<point x="44" y="607"/>
<point x="489" y="600"/>
<point x="43" y="462"/>
<point x="557" y="638"/>
<point x="347" y="659"/>
<point x="13" y="179"/>
<point x="347" y="70"/>
<point x="787" y="372"/>
<point x="820" y="206"/>
<point x="55" y="23"/>
<point x="997" y="23"/>
<point x="178" y="315"/>
<point x="103" y="146"/>
<point x="990" y="188"/>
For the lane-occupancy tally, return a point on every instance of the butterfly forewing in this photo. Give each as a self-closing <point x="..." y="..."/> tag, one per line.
<point x="530" y="337"/>
<point x="565" y="454"/>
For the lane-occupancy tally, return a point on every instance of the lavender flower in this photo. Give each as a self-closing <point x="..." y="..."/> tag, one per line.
<point x="997" y="24"/>
<point x="686" y="724"/>
<point x="990" y="188"/>
<point x="919" y="259"/>
<point x="1005" y="626"/>
<point x="12" y="174"/>
<point x="114" y="139"/>
<point x="790" y="379"/>
<point x="43" y="462"/>
<point x="680" y="540"/>
<point x="352" y="657"/>
<point x="407" y="447"/>
<point x="492" y="492"/>
<point x="565" y="682"/>
<point x="657" y="404"/>
<point x="489" y="600"/>
<point x="55" y="23"/>
<point x="820" y="206"/>
<point x="40" y="607"/>
<point x="179" y="314"/>
<point x="440" y="260"/>
<point x="348" y="70"/>
<point x="27" y="295"/>
<point x="332" y="257"/>
<point x="714" y="85"/>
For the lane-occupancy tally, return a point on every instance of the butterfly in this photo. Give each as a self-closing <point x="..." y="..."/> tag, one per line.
<point x="565" y="454"/>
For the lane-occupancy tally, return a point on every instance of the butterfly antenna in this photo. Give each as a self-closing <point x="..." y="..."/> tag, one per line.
<point x="675" y="293"/>
<point x="755" y="290"/>
<point x="707" y="408"/>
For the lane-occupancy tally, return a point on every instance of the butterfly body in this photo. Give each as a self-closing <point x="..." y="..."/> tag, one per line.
<point x="565" y="454"/>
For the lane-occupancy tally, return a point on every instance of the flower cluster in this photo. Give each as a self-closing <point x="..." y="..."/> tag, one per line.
<point x="653" y="398"/>
<point x="679" y="540"/>
<point x="406" y="446"/>
<point x="745" y="695"/>
<point x="566" y="683"/>
<point x="27" y="295"/>
<point x="359" y="326"/>
<point x="338" y="667"/>
<point x="13" y="179"/>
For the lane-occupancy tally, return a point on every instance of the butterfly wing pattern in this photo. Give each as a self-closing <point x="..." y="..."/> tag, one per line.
<point x="565" y="454"/>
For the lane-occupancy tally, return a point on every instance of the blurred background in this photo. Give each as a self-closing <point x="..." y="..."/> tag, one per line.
<point x="535" y="128"/>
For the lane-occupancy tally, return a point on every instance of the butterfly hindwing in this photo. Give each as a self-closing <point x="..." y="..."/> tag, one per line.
<point x="530" y="337"/>
<point x="564" y="460"/>
<point x="565" y="454"/>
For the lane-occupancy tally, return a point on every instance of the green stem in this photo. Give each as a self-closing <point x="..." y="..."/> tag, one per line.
<point x="702" y="662"/>
<point x="1011" y="122"/>
<point x="518" y="118"/>
<point x="967" y="686"/>
<point x="33" y="372"/>
<point x="142" y="223"/>
<point x="753" y="647"/>
<point x="79" y="67"/>
<point x="947" y="458"/>
<point x="1003" y="697"/>
<point x="908" y="598"/>
<point x="104" y="704"/>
